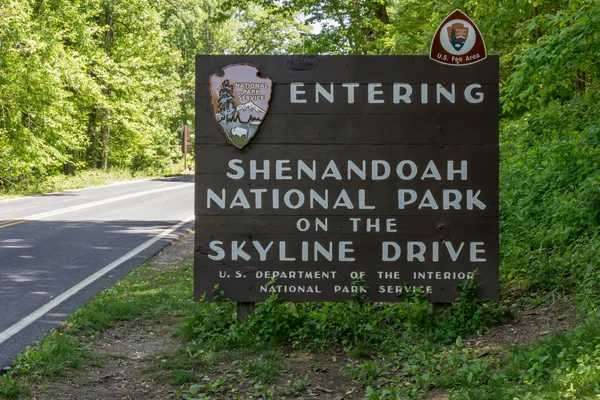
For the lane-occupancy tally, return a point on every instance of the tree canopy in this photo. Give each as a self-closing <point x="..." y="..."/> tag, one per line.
<point x="97" y="83"/>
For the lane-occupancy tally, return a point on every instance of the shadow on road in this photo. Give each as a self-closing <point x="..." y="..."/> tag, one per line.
<point x="177" y="178"/>
<point x="59" y="194"/>
<point x="43" y="258"/>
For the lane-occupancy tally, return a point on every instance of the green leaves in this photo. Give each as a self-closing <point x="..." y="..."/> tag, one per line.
<point x="549" y="221"/>
<point x="100" y="83"/>
<point x="560" y="64"/>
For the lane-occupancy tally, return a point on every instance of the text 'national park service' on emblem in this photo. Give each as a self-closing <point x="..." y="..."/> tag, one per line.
<point x="241" y="101"/>
<point x="457" y="41"/>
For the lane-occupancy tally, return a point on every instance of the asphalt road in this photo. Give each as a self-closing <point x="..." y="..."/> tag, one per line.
<point x="57" y="251"/>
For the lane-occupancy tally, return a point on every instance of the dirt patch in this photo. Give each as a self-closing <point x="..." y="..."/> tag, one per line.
<point x="125" y="352"/>
<point x="137" y="340"/>
<point x="298" y="376"/>
<point x="529" y="325"/>
<point x="118" y="378"/>
<point x="131" y="350"/>
<point x="325" y="375"/>
<point x="176" y="255"/>
<point x="438" y="395"/>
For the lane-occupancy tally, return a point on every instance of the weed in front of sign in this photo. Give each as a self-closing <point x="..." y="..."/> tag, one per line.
<point x="350" y="325"/>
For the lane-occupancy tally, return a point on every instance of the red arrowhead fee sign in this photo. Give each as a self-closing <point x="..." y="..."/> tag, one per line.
<point x="457" y="41"/>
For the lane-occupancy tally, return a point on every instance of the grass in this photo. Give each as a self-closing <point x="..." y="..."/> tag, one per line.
<point x="550" y="222"/>
<point x="83" y="179"/>
<point x="352" y="325"/>
<point x="11" y="387"/>
<point x="560" y="367"/>
<point x="55" y="354"/>
<point x="264" y="369"/>
<point x="61" y="183"/>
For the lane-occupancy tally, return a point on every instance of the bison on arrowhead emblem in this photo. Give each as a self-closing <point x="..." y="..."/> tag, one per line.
<point x="240" y="99"/>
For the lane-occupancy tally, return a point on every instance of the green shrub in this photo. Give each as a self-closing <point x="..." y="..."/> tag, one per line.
<point x="358" y="324"/>
<point x="550" y="197"/>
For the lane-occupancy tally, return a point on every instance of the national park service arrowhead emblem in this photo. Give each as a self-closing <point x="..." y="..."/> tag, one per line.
<point x="457" y="41"/>
<point x="241" y="100"/>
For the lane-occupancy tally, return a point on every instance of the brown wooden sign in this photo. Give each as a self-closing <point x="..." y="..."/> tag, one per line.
<point x="371" y="176"/>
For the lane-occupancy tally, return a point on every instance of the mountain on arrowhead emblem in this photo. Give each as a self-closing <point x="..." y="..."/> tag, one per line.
<point x="241" y="100"/>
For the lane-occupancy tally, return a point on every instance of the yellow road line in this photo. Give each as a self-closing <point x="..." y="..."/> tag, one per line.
<point x="12" y="223"/>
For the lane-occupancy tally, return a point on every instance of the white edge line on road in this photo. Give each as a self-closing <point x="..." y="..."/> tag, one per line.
<point x="31" y="318"/>
<point x="97" y="203"/>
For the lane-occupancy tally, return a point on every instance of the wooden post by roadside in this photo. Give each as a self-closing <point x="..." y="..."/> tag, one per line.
<point x="244" y="310"/>
<point x="185" y="143"/>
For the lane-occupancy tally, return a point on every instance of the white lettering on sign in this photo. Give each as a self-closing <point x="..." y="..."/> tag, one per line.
<point x="396" y="93"/>
<point x="446" y="275"/>
<point x="259" y="251"/>
<point x="419" y="251"/>
<point x="350" y="87"/>
<point x="349" y="289"/>
<point x="471" y="97"/>
<point x="289" y="289"/>
<point x="376" y="170"/>
<point x="291" y="274"/>
<point x="326" y="199"/>
<point x="447" y="94"/>
<point x="405" y="289"/>
<point x="402" y="92"/>
<point x="373" y="93"/>
<point x="451" y="199"/>
<point x="321" y="92"/>
<point x="349" y="170"/>
<point x="295" y="91"/>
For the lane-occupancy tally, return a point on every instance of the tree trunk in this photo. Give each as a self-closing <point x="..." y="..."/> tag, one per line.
<point x="580" y="81"/>
<point x="538" y="32"/>
<point x="105" y="138"/>
<point x="382" y="13"/>
<point x="38" y="7"/>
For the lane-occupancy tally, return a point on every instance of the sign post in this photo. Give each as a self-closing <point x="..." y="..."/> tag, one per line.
<point x="321" y="178"/>
<point x="185" y="143"/>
